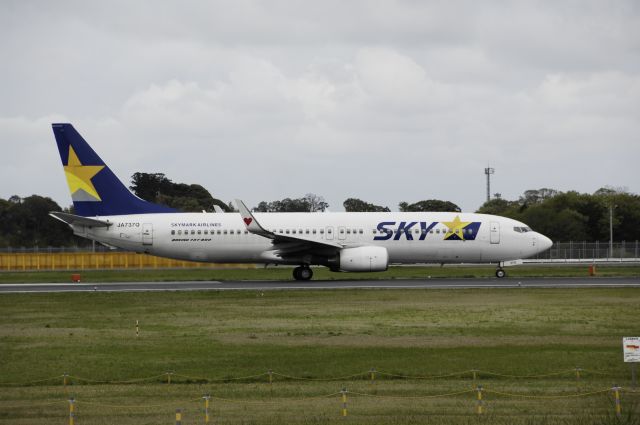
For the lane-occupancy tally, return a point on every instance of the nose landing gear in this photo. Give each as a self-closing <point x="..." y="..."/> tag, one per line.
<point x="302" y="273"/>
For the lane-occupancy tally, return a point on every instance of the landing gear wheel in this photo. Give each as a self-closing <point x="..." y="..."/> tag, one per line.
<point x="302" y="273"/>
<point x="500" y="273"/>
<point x="305" y="273"/>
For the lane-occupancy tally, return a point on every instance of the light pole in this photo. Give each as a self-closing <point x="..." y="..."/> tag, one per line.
<point x="488" y="172"/>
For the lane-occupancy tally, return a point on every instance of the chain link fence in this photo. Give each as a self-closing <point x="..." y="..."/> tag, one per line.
<point x="583" y="250"/>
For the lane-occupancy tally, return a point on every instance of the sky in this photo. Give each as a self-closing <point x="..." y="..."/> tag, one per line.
<point x="386" y="101"/>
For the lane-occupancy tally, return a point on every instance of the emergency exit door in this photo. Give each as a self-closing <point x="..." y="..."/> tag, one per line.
<point x="494" y="232"/>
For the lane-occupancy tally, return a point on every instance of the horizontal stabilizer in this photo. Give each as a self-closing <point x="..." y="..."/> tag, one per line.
<point x="78" y="220"/>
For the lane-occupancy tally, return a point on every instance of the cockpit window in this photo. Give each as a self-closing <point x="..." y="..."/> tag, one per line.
<point x="520" y="229"/>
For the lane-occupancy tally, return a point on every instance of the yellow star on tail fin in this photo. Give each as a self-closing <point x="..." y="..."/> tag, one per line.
<point x="79" y="178"/>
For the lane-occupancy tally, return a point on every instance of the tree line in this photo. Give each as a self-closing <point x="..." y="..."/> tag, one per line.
<point x="565" y="216"/>
<point x="562" y="216"/>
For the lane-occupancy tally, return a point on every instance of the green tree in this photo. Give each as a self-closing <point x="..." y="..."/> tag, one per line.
<point x="25" y="222"/>
<point x="499" y="206"/>
<point x="316" y="203"/>
<point x="309" y="203"/>
<point x="572" y="215"/>
<point x="429" y="205"/>
<point x="358" y="205"/>
<point x="157" y="188"/>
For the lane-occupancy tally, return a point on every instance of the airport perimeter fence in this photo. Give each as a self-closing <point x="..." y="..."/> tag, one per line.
<point x="479" y="396"/>
<point x="582" y="250"/>
<point x="78" y="261"/>
<point x="78" y="258"/>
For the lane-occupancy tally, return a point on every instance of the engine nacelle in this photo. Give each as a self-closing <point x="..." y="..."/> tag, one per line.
<point x="364" y="259"/>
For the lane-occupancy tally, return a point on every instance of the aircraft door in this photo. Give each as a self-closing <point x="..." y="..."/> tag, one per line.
<point x="147" y="234"/>
<point x="494" y="232"/>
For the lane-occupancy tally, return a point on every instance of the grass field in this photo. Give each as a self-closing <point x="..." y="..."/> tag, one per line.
<point x="208" y="338"/>
<point x="320" y="273"/>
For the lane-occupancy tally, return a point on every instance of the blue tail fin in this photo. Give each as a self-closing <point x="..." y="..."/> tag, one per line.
<point x="95" y="190"/>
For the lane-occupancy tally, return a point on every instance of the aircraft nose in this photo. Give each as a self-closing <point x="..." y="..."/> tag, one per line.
<point x="544" y="242"/>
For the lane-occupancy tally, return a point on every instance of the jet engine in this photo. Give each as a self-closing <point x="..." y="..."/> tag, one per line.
<point x="363" y="259"/>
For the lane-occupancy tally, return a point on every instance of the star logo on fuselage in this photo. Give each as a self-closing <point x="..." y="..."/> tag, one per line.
<point x="456" y="229"/>
<point x="79" y="179"/>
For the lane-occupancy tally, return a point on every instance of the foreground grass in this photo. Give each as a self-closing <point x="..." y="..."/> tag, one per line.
<point x="320" y="273"/>
<point x="205" y="336"/>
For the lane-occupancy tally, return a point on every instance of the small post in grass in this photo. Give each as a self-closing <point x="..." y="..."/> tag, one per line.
<point x="137" y="329"/>
<point x="578" y="369"/>
<point x="344" y="401"/>
<point x="178" y="416"/>
<point x="270" y="381"/>
<point x="169" y="373"/>
<point x="479" y="403"/>
<point x="72" y="414"/>
<point x="475" y="373"/>
<point x="372" y="376"/>
<point x="206" y="398"/>
<point x="616" y="395"/>
<point x="64" y="380"/>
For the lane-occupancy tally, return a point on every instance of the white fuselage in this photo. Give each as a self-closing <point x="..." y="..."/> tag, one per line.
<point x="214" y="237"/>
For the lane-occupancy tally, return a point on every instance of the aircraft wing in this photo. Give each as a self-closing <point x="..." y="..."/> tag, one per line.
<point x="71" y="220"/>
<point x="285" y="243"/>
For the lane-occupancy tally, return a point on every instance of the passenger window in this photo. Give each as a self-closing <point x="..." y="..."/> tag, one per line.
<point x="231" y="232"/>
<point x="293" y="231"/>
<point x="224" y="232"/>
<point x="173" y="232"/>
<point x="246" y="232"/>
<point x="287" y="231"/>
<point x="300" y="231"/>
<point x="193" y="232"/>
<point x="199" y="232"/>
<point x="361" y="231"/>
<point x="306" y="231"/>
<point x="218" y="232"/>
<point x="348" y="231"/>
<point x="328" y="230"/>
<point x="314" y="231"/>
<point x="341" y="231"/>
<point x="179" y="232"/>
<point x="437" y="230"/>
<point x="322" y="231"/>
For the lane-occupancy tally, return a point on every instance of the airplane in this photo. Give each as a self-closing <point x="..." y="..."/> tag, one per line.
<point x="107" y="212"/>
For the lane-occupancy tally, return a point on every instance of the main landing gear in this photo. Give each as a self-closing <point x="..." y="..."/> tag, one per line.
<point x="500" y="273"/>
<point x="302" y="273"/>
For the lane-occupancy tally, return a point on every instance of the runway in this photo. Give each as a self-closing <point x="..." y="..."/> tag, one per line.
<point x="442" y="283"/>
